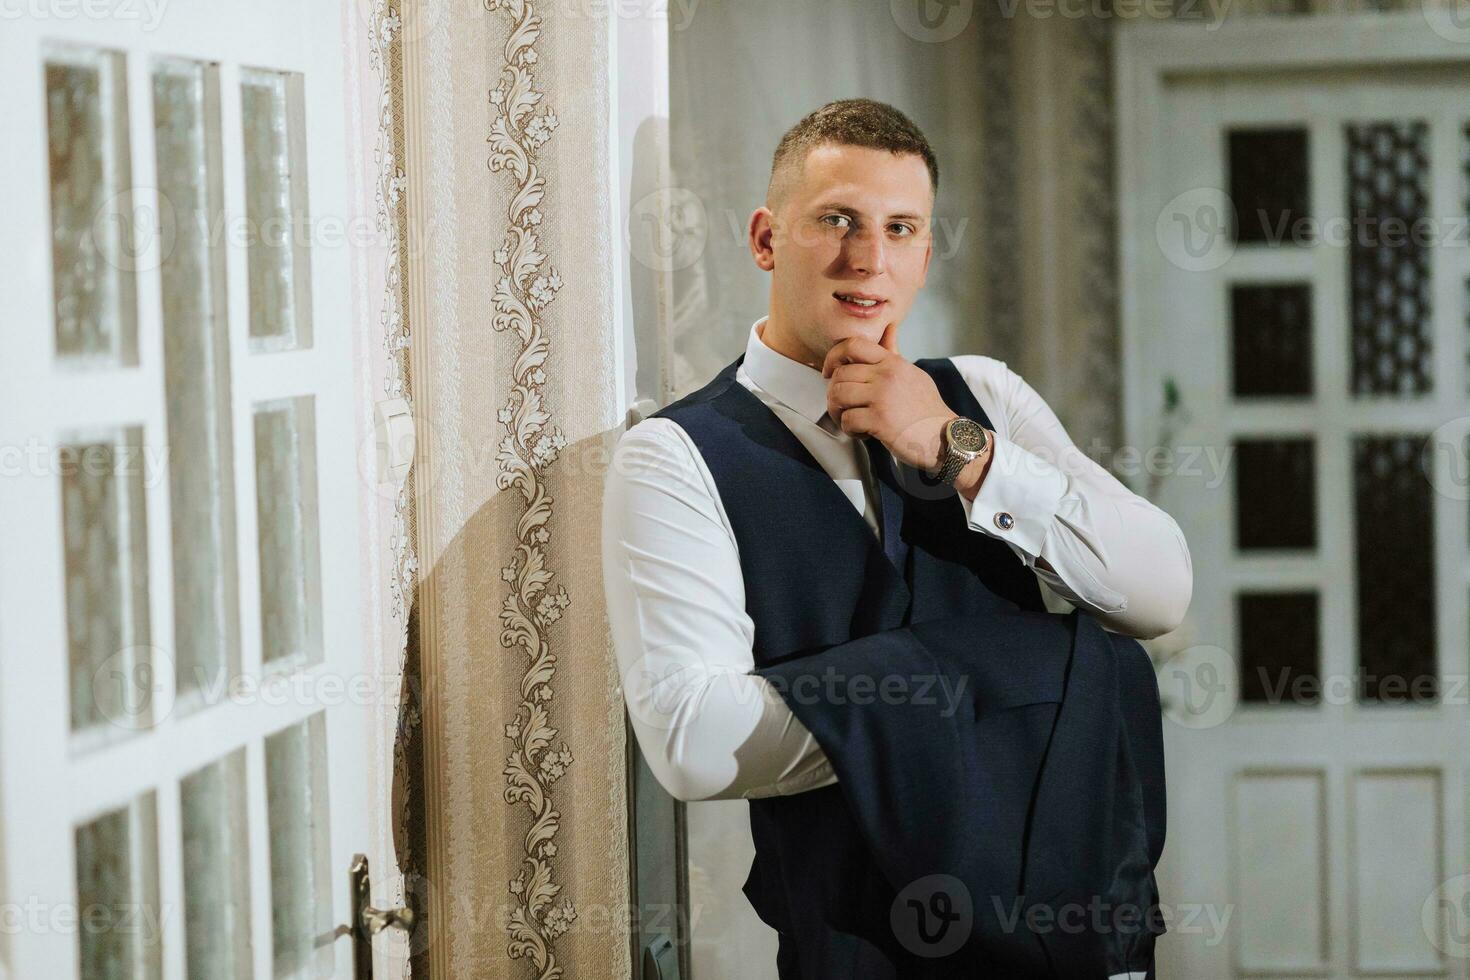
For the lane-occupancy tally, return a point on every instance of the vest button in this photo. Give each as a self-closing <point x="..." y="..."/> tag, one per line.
<point x="1004" y="521"/>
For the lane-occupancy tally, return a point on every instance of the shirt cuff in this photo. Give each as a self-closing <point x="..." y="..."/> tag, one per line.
<point x="1018" y="500"/>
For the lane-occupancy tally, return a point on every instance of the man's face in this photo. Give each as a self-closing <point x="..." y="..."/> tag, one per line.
<point x="848" y="246"/>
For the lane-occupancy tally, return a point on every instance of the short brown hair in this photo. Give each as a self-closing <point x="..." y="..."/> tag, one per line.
<point x="851" y="122"/>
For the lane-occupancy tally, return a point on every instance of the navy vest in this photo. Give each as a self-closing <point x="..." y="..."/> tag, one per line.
<point x="815" y="574"/>
<point x="816" y="577"/>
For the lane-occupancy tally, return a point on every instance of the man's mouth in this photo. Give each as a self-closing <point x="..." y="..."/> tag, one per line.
<point x="860" y="304"/>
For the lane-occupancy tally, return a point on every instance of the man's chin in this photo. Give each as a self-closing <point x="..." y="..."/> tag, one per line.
<point x="832" y="331"/>
<point x="866" y="329"/>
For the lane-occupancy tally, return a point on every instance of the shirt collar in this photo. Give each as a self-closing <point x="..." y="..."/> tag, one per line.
<point x="789" y="381"/>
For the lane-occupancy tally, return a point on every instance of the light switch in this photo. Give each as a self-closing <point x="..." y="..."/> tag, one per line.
<point x="640" y="410"/>
<point x="396" y="440"/>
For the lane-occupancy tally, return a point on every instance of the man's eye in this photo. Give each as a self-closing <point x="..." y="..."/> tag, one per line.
<point x="901" y="229"/>
<point x="836" y="220"/>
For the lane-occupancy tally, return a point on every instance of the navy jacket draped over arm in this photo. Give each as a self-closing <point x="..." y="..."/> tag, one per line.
<point x="1004" y="768"/>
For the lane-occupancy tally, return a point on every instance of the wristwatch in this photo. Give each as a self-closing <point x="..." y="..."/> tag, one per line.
<point x="963" y="440"/>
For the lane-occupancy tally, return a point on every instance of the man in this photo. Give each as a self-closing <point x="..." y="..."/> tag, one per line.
<point x="823" y="489"/>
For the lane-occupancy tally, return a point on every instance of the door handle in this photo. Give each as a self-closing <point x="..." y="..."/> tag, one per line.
<point x="367" y="921"/>
<point x="660" y="959"/>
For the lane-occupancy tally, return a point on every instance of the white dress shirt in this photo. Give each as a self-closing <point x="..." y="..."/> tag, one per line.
<point x="676" y="597"/>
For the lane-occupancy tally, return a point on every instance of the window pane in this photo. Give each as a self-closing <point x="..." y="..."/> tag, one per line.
<point x="216" y="870"/>
<point x="1268" y="184"/>
<point x="1275" y="494"/>
<point x="117" y="894"/>
<point x="301" y="893"/>
<point x="286" y="512"/>
<point x="1394" y="521"/>
<point x="91" y="210"/>
<point x="1388" y="263"/>
<point x="1271" y="339"/>
<point x="105" y="538"/>
<point x="275" y="201"/>
<point x="196" y="372"/>
<point x="1280" y="651"/>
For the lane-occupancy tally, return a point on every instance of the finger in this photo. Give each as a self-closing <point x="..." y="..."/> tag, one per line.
<point x="843" y="395"/>
<point x="856" y="421"/>
<point x="856" y="371"/>
<point x="850" y="350"/>
<point x="889" y="340"/>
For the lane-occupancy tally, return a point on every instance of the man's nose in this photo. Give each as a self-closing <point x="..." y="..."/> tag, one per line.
<point x="866" y="253"/>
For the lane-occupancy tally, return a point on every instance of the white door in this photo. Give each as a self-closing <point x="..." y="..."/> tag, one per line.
<point x="1299" y="269"/>
<point x="182" y="696"/>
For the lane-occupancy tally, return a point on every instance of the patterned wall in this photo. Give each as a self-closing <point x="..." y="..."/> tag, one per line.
<point x="514" y="785"/>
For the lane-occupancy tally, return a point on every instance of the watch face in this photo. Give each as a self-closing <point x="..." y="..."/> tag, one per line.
<point x="966" y="435"/>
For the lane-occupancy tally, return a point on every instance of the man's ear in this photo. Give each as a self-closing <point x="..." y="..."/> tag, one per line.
<point x="759" y="235"/>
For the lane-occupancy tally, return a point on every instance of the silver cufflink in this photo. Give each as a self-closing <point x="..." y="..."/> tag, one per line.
<point x="1004" y="521"/>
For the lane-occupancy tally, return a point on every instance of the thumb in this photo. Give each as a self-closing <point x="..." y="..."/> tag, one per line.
<point x="889" y="340"/>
